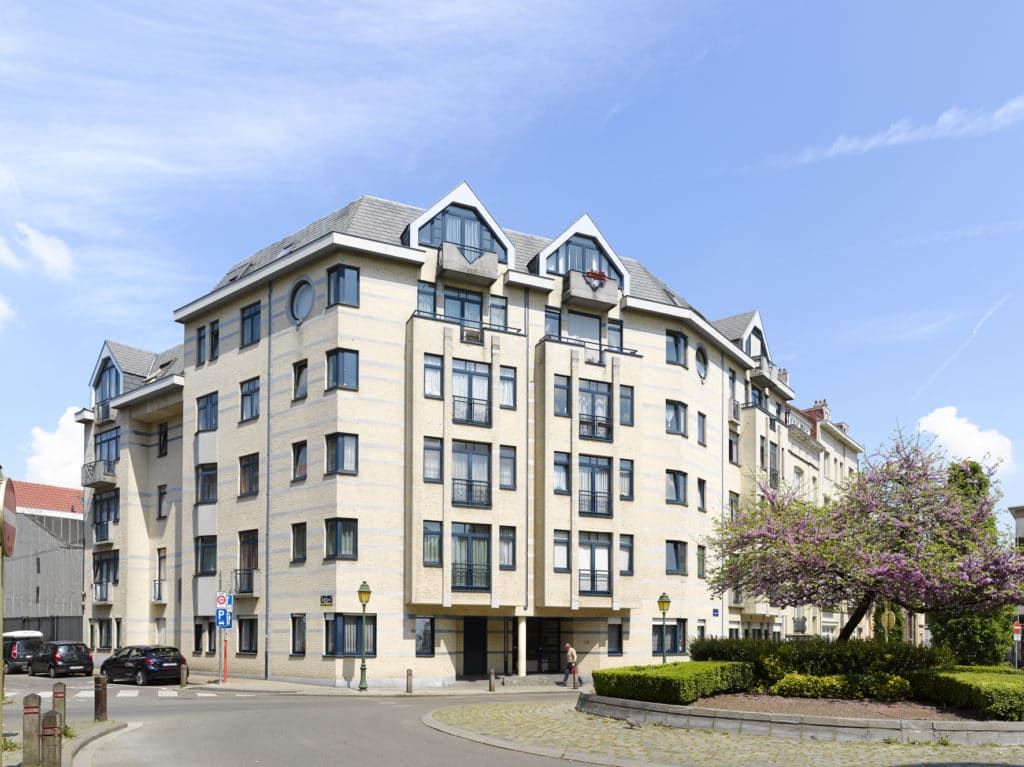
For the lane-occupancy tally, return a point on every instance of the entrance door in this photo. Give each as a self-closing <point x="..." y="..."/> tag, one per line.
<point x="474" y="646"/>
<point x="543" y="645"/>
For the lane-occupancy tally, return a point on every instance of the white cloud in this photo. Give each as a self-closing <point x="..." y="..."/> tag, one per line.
<point x="56" y="456"/>
<point x="48" y="250"/>
<point x="7" y="257"/>
<point x="963" y="439"/>
<point x="6" y="312"/>
<point x="955" y="122"/>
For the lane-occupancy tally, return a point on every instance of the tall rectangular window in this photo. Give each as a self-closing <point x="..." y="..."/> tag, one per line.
<point x="201" y="345"/>
<point x="625" y="554"/>
<point x="734" y="505"/>
<point x="498" y="317"/>
<point x="508" y="387"/>
<point x="298" y="634"/>
<point x="702" y="494"/>
<point x="340" y="538"/>
<point x="471" y="474"/>
<point x="433" y="376"/>
<point x="207" y="412"/>
<point x="595" y="485"/>
<point x="206" y="555"/>
<point x="431" y="543"/>
<point x="161" y="501"/>
<point x="342" y="454"/>
<point x="675" y="487"/>
<point x="675" y="348"/>
<point x="161" y="440"/>
<point x="471" y="392"/>
<point x="734" y="448"/>
<point x="343" y="285"/>
<point x="507" y="468"/>
<point x="248" y="554"/>
<point x="625" y="479"/>
<point x="561" y="395"/>
<point x="615" y="334"/>
<point x="675" y="557"/>
<point x="298" y="461"/>
<point x="702" y="556"/>
<point x="424" y="637"/>
<point x="626" y="405"/>
<point x="615" y="639"/>
<point x="299" y="542"/>
<point x="595" y="563"/>
<point x="345" y="635"/>
<point x="675" y="417"/>
<point x="595" y="410"/>
<point x="561" y="476"/>
<point x="107" y="445"/>
<point x="463" y="306"/>
<point x="702" y="429"/>
<point x="433" y="459"/>
<point x="471" y="557"/>
<point x="300" y="379"/>
<point x="251" y="324"/>
<point x="214" y="340"/>
<point x="507" y="547"/>
<point x="249" y="474"/>
<point x="426" y="298"/>
<point x="552" y="321"/>
<point x="250" y="391"/>
<point x="561" y="551"/>
<point x="248" y="635"/>
<point x="342" y="369"/>
<point x="206" y="483"/>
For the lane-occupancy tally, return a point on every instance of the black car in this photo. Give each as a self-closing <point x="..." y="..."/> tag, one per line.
<point x="60" y="658"/>
<point x="146" y="663"/>
<point x="18" y="651"/>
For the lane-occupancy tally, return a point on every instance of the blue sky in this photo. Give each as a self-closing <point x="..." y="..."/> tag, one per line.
<point x="852" y="171"/>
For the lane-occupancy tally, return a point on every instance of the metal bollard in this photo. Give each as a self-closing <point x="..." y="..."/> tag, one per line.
<point x="99" y="700"/>
<point x="490" y="685"/>
<point x="60" y="699"/>
<point x="408" y="680"/>
<point x="30" y="730"/>
<point x="51" y="737"/>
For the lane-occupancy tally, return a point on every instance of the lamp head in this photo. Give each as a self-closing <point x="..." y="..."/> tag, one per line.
<point x="664" y="602"/>
<point x="364" y="593"/>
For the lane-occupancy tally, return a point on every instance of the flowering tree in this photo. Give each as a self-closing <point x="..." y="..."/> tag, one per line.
<point x="902" y="530"/>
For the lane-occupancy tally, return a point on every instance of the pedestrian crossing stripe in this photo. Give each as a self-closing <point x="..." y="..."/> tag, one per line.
<point x="85" y="694"/>
<point x="167" y="693"/>
<point x="128" y="693"/>
<point x="206" y="695"/>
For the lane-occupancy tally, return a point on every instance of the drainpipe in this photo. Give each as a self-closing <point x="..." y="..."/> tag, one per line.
<point x="723" y="445"/>
<point x="266" y="528"/>
<point x="528" y="488"/>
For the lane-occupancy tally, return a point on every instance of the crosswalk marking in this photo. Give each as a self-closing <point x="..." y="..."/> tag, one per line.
<point x="85" y="694"/>
<point x="167" y="693"/>
<point x="206" y="695"/>
<point x="128" y="693"/>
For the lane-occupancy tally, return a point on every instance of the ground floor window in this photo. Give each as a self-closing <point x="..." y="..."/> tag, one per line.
<point x="615" y="639"/>
<point x="672" y="633"/>
<point x="247" y="635"/>
<point x="424" y="637"/>
<point x="197" y="637"/>
<point x="343" y="634"/>
<point x="211" y="636"/>
<point x="298" y="634"/>
<point x="105" y="638"/>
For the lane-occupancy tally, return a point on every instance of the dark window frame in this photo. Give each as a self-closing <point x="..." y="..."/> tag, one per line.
<point x="338" y="281"/>
<point x="335" y="529"/>
<point x="251" y="324"/>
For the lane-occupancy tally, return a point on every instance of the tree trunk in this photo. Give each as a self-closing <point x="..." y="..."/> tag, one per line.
<point x="856" y="616"/>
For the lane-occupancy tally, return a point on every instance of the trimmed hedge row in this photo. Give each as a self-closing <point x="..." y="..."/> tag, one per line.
<point x="678" y="683"/>
<point x="888" y="687"/>
<point x="995" y="694"/>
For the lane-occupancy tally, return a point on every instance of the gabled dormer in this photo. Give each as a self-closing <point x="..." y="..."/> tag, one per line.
<point x="469" y="241"/>
<point x="592" y="273"/>
<point x="746" y="331"/>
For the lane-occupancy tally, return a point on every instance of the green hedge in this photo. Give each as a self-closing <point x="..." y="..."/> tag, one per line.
<point x="995" y="694"/>
<point x="887" y="687"/>
<point x="678" y="683"/>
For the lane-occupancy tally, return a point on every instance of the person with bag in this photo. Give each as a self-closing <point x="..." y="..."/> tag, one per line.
<point x="570" y="664"/>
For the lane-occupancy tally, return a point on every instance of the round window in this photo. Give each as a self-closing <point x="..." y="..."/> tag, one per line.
<point x="702" y="363"/>
<point x="302" y="301"/>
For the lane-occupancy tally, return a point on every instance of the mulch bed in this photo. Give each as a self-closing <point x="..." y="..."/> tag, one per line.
<point x="862" y="709"/>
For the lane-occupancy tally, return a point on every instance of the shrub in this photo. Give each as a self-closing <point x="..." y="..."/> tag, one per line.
<point x="889" y="687"/>
<point x="795" y="685"/>
<point x="995" y="695"/>
<point x="974" y="638"/>
<point x="678" y="683"/>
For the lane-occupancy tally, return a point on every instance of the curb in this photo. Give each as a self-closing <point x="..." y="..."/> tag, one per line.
<point x="97" y="730"/>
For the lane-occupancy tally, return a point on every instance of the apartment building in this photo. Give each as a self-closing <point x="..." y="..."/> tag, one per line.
<point x="513" y="441"/>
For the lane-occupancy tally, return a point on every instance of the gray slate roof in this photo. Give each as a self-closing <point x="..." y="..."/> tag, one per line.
<point x="733" y="327"/>
<point x="384" y="221"/>
<point x="138" y="365"/>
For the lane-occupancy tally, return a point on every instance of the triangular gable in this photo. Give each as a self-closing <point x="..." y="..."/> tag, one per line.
<point x="106" y="353"/>
<point x="755" y="323"/>
<point x="585" y="226"/>
<point x="465" y="196"/>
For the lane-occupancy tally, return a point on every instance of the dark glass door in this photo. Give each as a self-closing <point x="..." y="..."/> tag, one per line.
<point x="474" y="646"/>
<point x="543" y="645"/>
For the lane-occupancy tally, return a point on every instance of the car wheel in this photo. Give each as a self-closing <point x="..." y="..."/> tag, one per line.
<point x="140" y="678"/>
<point x="53" y="673"/>
<point x="109" y="675"/>
<point x="7" y="667"/>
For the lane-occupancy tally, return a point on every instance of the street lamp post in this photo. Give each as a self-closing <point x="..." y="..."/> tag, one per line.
<point x="364" y="597"/>
<point x="663" y="604"/>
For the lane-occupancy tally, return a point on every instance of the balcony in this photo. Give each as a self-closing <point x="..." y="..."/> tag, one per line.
<point x="765" y="373"/>
<point x="103" y="413"/>
<point x="243" y="582"/>
<point x="595" y="427"/>
<point x="471" y="577"/>
<point x="595" y="504"/>
<point x="101" y="532"/>
<point x="99" y="475"/>
<point x="159" y="591"/>
<point x="101" y="593"/>
<point x="595" y="582"/>
<point x="470" y="492"/>
<point x="476" y="412"/>
<point x="463" y="263"/>
<point x="594" y="351"/>
<point x="589" y="290"/>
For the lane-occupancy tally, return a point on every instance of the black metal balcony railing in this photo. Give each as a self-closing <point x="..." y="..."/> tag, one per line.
<point x="595" y="582"/>
<point x="471" y="324"/>
<point x="595" y="503"/>
<point x="101" y="532"/>
<point x="595" y="427"/>
<point x="595" y="349"/>
<point x="242" y="581"/>
<point x="472" y="411"/>
<point x="471" y="577"/>
<point x="471" y="254"/>
<point x="101" y="591"/>
<point x="158" y="590"/>
<point x="469" y="492"/>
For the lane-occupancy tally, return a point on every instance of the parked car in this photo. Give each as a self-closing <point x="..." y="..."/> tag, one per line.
<point x="146" y="663"/>
<point x="19" y="647"/>
<point x="60" y="658"/>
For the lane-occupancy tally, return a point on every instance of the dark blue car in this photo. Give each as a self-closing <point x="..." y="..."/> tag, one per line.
<point x="146" y="663"/>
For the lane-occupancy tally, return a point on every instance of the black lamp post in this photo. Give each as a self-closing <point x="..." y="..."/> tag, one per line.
<point x="663" y="604"/>
<point x="364" y="597"/>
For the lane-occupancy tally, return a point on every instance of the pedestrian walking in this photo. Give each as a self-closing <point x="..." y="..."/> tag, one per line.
<point x="570" y="664"/>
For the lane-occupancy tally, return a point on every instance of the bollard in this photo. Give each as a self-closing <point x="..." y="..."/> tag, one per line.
<point x="59" y="699"/>
<point x="30" y="730"/>
<point x="99" y="700"/>
<point x="183" y="675"/>
<point x="408" y="680"/>
<point x="51" y="737"/>
<point x="490" y="686"/>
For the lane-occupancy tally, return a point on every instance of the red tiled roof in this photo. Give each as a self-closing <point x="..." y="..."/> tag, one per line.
<point x="50" y="497"/>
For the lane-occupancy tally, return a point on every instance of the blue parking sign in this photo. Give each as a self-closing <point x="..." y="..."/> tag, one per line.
<point x="223" y="618"/>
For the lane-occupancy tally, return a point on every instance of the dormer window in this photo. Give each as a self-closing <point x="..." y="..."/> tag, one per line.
<point x="582" y="254"/>
<point x="108" y="382"/>
<point x="756" y="346"/>
<point x="463" y="227"/>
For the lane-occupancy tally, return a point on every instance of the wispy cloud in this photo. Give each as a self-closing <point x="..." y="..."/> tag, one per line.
<point x="6" y="312"/>
<point x="51" y="252"/>
<point x="56" y="457"/>
<point x="961" y="233"/>
<point x="7" y="257"/>
<point x="955" y="122"/>
<point x="905" y="327"/>
<point x="959" y="350"/>
<point x="963" y="439"/>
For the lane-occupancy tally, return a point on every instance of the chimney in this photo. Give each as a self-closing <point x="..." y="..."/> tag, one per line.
<point x="822" y="405"/>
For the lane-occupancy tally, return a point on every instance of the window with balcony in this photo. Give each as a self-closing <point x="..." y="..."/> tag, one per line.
<point x="343" y="286"/>
<point x="625" y="554"/>
<point x="431" y="543"/>
<point x="561" y="474"/>
<point x="507" y="389"/>
<point x="675" y="348"/>
<point x="471" y="474"/>
<point x="206" y="407"/>
<point x="201" y="345"/>
<point x="108" y="382"/>
<point x="300" y="379"/>
<point x="675" y="557"/>
<point x="345" y="635"/>
<point x="105" y="566"/>
<point x="251" y="324"/>
<point x="248" y="561"/>
<point x="507" y="468"/>
<point x="675" y="417"/>
<point x="214" y="340"/>
<point x="581" y="254"/>
<point x="249" y="475"/>
<point x="595" y="410"/>
<point x="299" y="465"/>
<point x="507" y="548"/>
<point x="498" y="314"/>
<point x="161" y="440"/>
<point x="433" y="376"/>
<point x="626" y="405"/>
<point x="426" y="298"/>
<point x="671" y="634"/>
<point x="250" y="392"/>
<point x="463" y="306"/>
<point x="342" y="369"/>
<point x="433" y="459"/>
<point x="561" y="395"/>
<point x="341" y="538"/>
<point x="206" y="483"/>
<point x="465" y="228"/>
<point x="625" y="479"/>
<point x="106" y="509"/>
<point x="206" y="555"/>
<point x="342" y="454"/>
<point x="471" y="557"/>
<point x="615" y="334"/>
<point x="675" y="487"/>
<point x="595" y="563"/>
<point x="595" y="485"/>
<point x="561" y="551"/>
<point x="107" y="445"/>
<point x="298" y="542"/>
<point x="471" y="392"/>
<point x="552" y="321"/>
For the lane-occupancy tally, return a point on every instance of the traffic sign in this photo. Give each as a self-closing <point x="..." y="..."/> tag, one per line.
<point x="224" y="618"/>
<point x="1016" y="631"/>
<point x="225" y="601"/>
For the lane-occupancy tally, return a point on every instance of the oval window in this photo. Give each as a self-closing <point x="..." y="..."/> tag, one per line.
<point x="302" y="301"/>
<point x="702" y="363"/>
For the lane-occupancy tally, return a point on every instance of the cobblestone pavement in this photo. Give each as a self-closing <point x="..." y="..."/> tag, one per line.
<point x="555" y="728"/>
